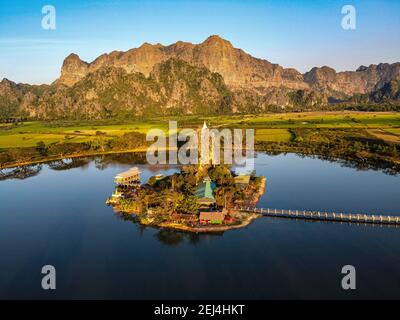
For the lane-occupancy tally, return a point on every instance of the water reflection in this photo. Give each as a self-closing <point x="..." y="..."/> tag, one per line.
<point x="60" y="218"/>
<point x="20" y="173"/>
<point x="170" y="237"/>
<point x="67" y="164"/>
<point x="360" y="164"/>
<point x="102" y="162"/>
<point x="344" y="223"/>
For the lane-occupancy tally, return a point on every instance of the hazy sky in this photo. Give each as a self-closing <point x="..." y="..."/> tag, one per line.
<point x="299" y="34"/>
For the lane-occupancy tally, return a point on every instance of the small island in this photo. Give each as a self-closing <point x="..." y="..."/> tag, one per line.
<point x="199" y="198"/>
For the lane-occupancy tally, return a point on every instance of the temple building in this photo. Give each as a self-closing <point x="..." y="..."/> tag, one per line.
<point x="205" y="193"/>
<point x="212" y="217"/>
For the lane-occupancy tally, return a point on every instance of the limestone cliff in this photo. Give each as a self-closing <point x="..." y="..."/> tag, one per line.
<point x="185" y="78"/>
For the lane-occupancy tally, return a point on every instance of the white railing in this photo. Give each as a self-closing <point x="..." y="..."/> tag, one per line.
<point x="323" y="215"/>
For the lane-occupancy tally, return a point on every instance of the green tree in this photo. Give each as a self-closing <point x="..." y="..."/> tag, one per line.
<point x="41" y="148"/>
<point x="188" y="205"/>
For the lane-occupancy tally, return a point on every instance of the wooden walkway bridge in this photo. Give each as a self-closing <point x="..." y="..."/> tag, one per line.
<point x="324" y="216"/>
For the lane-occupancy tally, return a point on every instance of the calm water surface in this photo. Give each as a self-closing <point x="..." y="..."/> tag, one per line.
<point x="58" y="217"/>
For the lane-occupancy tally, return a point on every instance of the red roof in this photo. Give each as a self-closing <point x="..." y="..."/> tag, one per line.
<point x="212" y="216"/>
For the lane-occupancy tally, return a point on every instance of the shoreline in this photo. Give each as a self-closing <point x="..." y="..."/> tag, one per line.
<point x="207" y="229"/>
<point x="71" y="156"/>
<point x="387" y="160"/>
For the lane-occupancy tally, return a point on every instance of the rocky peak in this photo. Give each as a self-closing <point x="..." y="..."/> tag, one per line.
<point x="73" y="60"/>
<point x="215" y="40"/>
<point x="347" y="83"/>
<point x="322" y="74"/>
<point x="9" y="91"/>
<point x="5" y="82"/>
<point x="73" y="70"/>
<point x="362" y="68"/>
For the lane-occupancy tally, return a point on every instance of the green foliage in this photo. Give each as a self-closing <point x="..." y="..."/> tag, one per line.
<point x="152" y="181"/>
<point x="128" y="141"/>
<point x="221" y="174"/>
<point x="41" y="148"/>
<point x="188" y="205"/>
<point x="8" y="108"/>
<point x="307" y="100"/>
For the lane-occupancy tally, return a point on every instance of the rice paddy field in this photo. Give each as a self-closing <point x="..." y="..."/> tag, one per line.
<point x="317" y="120"/>
<point x="29" y="134"/>
<point x="268" y="127"/>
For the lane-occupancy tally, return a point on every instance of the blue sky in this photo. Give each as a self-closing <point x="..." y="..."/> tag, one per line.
<point x="299" y="34"/>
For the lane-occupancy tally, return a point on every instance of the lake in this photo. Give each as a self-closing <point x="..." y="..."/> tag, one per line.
<point x="58" y="216"/>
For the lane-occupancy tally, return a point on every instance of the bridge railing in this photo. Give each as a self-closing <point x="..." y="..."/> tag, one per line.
<point x="318" y="215"/>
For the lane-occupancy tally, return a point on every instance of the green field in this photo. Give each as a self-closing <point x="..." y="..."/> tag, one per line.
<point x="315" y="120"/>
<point x="268" y="127"/>
<point x="30" y="133"/>
<point x="31" y="139"/>
<point x="273" y="135"/>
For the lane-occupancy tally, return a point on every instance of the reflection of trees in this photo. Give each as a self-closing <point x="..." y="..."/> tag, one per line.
<point x="172" y="237"/>
<point x="194" y="238"/>
<point x="66" y="164"/>
<point x="125" y="216"/>
<point x="103" y="161"/>
<point x="131" y="218"/>
<point x="21" y="173"/>
<point x="100" y="164"/>
<point x="362" y="164"/>
<point x="169" y="237"/>
<point x="365" y="164"/>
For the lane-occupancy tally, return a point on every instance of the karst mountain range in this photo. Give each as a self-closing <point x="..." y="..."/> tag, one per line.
<point x="183" y="78"/>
